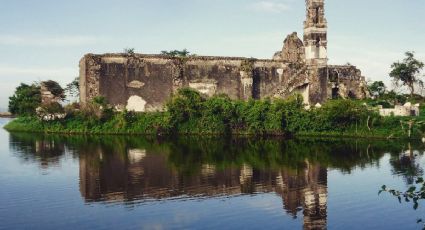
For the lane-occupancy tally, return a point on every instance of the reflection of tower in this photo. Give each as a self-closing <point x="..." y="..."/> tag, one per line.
<point x="245" y="179"/>
<point x="315" y="33"/>
<point x="305" y="189"/>
<point x="315" y="198"/>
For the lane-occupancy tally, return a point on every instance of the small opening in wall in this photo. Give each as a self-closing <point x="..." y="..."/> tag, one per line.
<point x="335" y="93"/>
<point x="351" y="95"/>
<point x="317" y="42"/>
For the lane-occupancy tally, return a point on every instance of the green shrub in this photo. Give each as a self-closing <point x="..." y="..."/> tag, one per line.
<point x="344" y="113"/>
<point x="186" y="104"/>
<point x="25" y="100"/>
<point x="53" y="108"/>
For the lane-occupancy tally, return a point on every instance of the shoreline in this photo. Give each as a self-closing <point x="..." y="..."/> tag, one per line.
<point x="326" y="135"/>
<point x="6" y="115"/>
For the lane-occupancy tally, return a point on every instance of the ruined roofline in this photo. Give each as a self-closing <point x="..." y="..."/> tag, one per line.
<point x="204" y="58"/>
<point x="341" y="66"/>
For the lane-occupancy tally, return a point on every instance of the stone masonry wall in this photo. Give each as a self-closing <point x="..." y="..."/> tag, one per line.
<point x="345" y="82"/>
<point x="146" y="82"/>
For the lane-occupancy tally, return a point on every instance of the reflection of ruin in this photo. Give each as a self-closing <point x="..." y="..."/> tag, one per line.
<point x="307" y="189"/>
<point x="142" y="176"/>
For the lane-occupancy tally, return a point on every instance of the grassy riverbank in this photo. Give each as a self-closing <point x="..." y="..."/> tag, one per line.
<point x="189" y="113"/>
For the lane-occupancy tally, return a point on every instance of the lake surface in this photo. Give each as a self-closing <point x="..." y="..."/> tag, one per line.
<point x="117" y="182"/>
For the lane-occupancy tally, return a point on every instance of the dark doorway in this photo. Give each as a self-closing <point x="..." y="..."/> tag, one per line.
<point x="256" y="82"/>
<point x="335" y="93"/>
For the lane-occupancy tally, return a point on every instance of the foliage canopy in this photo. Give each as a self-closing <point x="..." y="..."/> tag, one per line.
<point x="73" y="88"/>
<point x="176" y="53"/>
<point x="377" y="88"/>
<point x="25" y="99"/>
<point x="407" y="72"/>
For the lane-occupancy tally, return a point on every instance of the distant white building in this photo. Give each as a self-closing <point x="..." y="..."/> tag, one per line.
<point x="400" y="110"/>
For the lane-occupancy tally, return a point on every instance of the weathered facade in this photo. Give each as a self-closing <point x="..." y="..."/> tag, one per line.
<point x="145" y="82"/>
<point x="405" y="110"/>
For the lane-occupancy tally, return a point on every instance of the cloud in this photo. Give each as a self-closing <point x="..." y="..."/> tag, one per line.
<point x="269" y="6"/>
<point x="41" y="40"/>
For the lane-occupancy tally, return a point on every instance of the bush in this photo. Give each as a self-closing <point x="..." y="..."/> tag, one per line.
<point x="383" y="103"/>
<point x="97" y="109"/>
<point x="344" y="113"/>
<point x="50" y="112"/>
<point x="186" y="104"/>
<point x="256" y="114"/>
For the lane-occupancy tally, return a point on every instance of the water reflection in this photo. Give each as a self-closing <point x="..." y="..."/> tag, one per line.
<point x="46" y="151"/>
<point x="131" y="170"/>
<point x="406" y="164"/>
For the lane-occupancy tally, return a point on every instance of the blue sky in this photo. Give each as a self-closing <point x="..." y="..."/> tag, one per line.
<point x="44" y="39"/>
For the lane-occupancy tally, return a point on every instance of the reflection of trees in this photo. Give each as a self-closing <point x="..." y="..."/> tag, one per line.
<point x="135" y="169"/>
<point x="188" y="155"/>
<point x="405" y="164"/>
<point x="46" y="150"/>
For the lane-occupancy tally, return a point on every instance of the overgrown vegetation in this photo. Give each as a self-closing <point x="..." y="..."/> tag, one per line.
<point x="177" y="53"/>
<point x="25" y="100"/>
<point x="188" y="112"/>
<point x="129" y="51"/>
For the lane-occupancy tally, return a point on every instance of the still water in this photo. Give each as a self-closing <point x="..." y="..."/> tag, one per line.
<point x="116" y="182"/>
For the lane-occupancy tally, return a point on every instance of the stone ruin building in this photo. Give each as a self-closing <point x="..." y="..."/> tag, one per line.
<point x="141" y="82"/>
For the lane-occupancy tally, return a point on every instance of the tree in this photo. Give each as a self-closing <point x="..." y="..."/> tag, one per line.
<point x="377" y="88"/>
<point x="25" y="100"/>
<point x="407" y="72"/>
<point x="129" y="51"/>
<point x="176" y="53"/>
<point x="73" y="88"/>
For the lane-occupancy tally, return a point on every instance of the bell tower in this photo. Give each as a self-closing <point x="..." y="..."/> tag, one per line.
<point x="315" y="33"/>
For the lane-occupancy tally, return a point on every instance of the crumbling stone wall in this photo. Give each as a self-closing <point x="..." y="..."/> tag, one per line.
<point x="345" y="82"/>
<point x="146" y="82"/>
<point x="293" y="50"/>
<point x="400" y="110"/>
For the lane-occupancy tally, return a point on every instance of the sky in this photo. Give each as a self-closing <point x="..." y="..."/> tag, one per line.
<point x="45" y="39"/>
